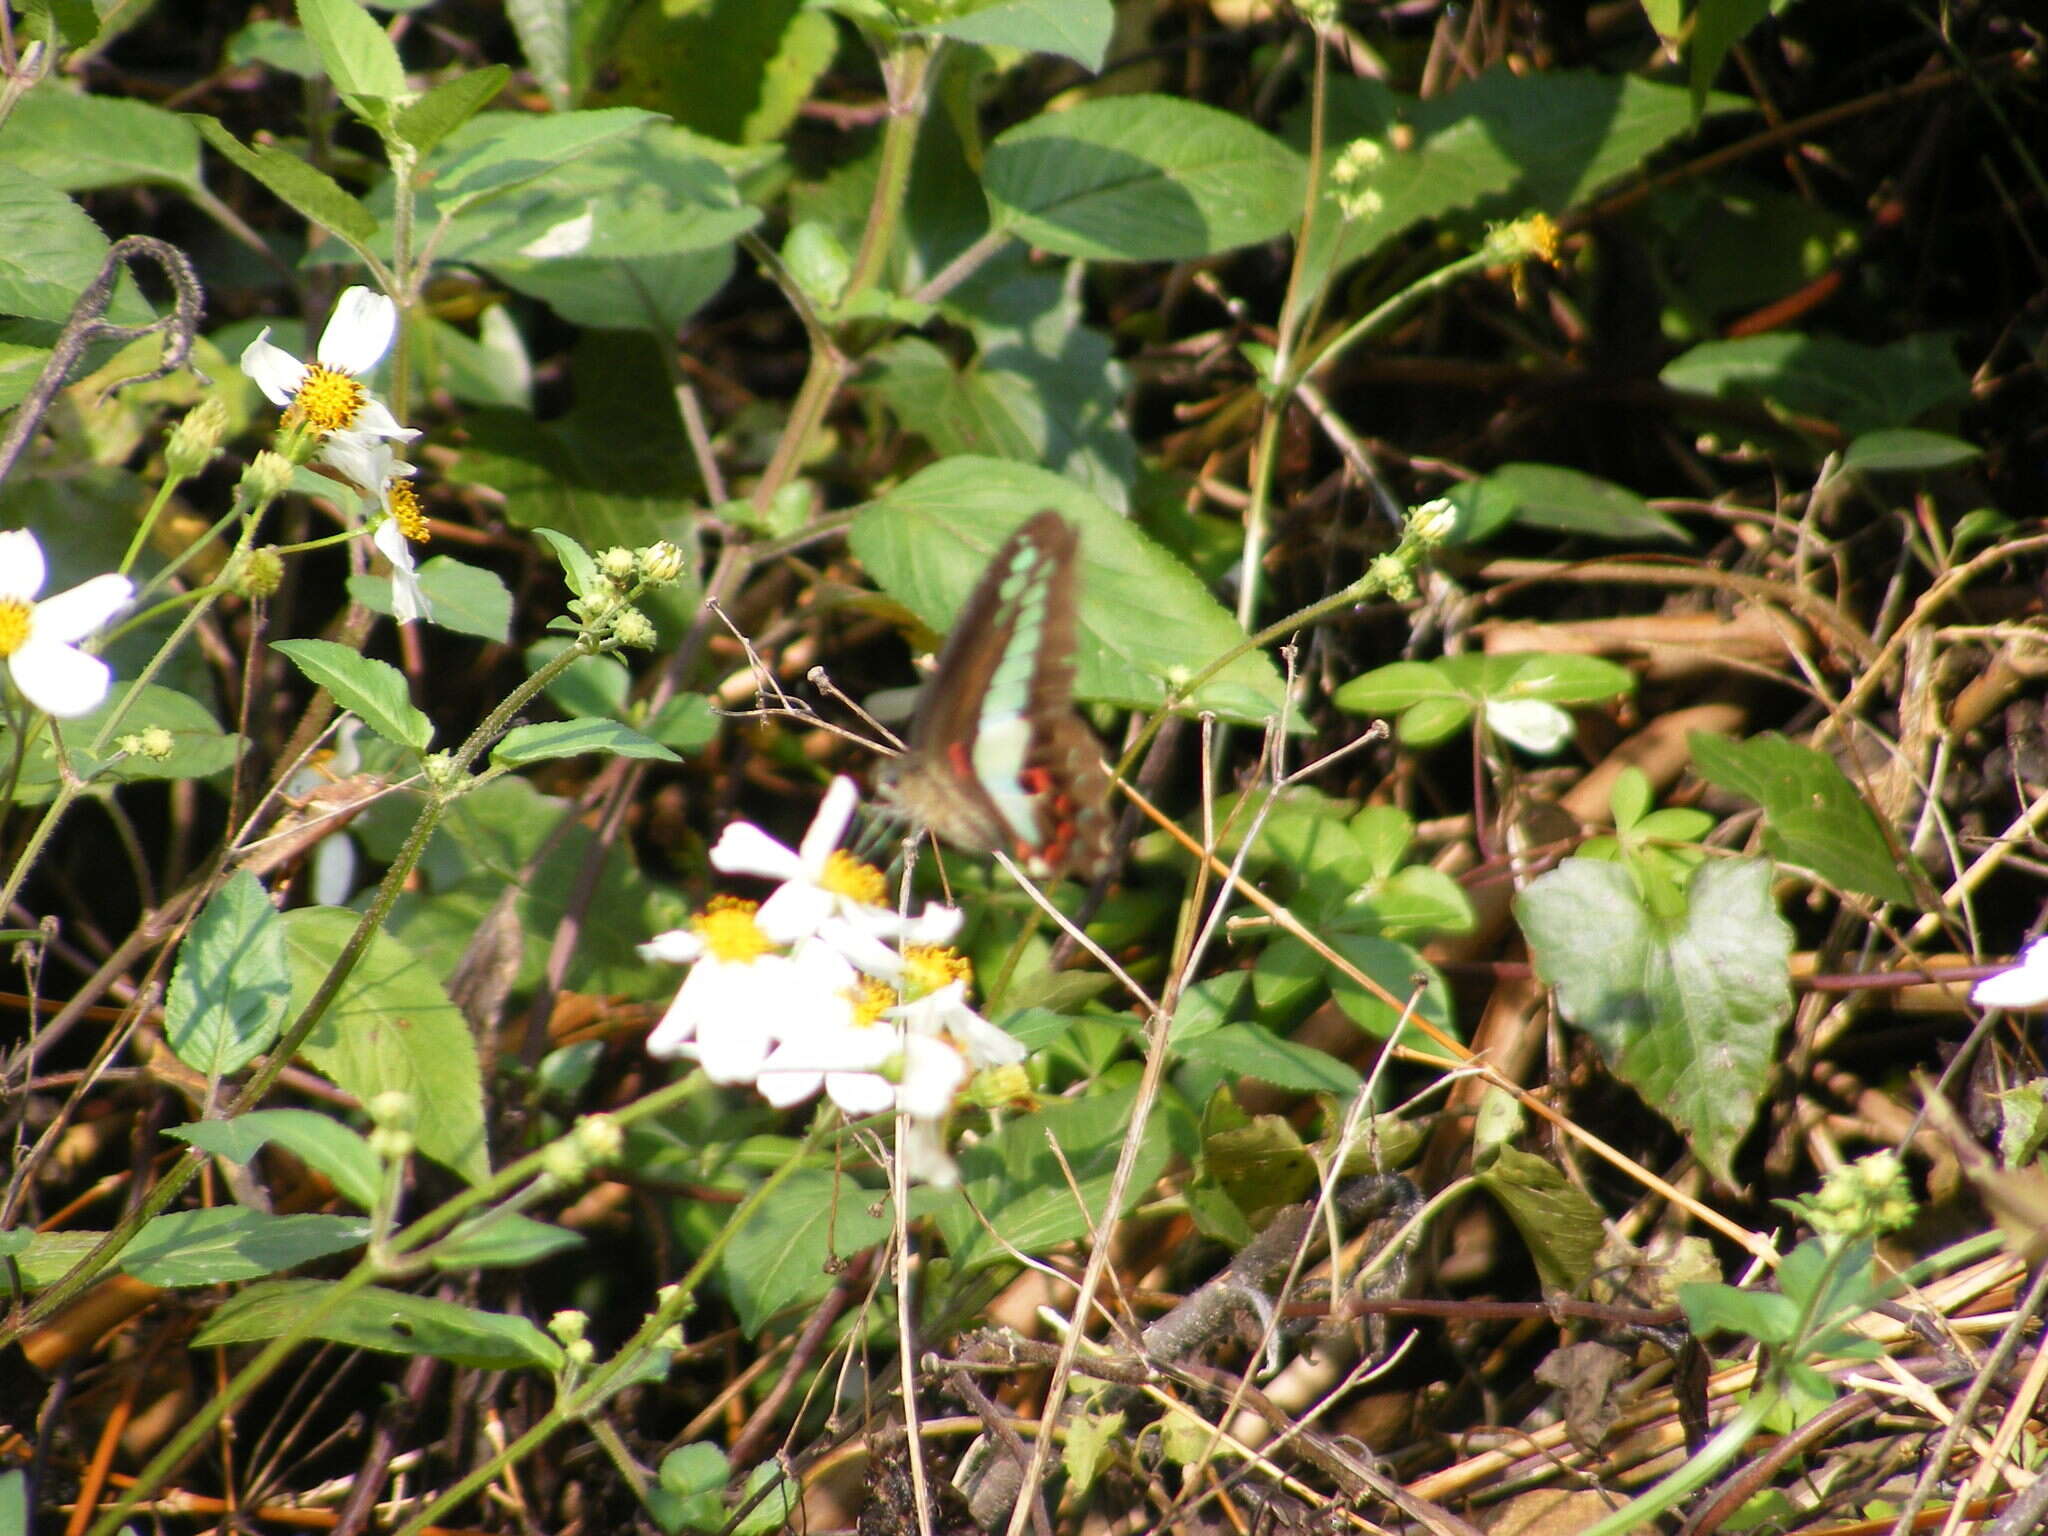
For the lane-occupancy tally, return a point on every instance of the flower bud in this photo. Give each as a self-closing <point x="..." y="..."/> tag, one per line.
<point x="196" y="439"/>
<point x="257" y="573"/>
<point x="661" y="563"/>
<point x="600" y="1138"/>
<point x="635" y="629"/>
<point x="568" y="1325"/>
<point x="618" y="565"/>
<point x="267" y="477"/>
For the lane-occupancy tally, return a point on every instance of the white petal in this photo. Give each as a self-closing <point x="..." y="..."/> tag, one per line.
<point x="671" y="1037"/>
<point x="794" y="911"/>
<point x="408" y="602"/>
<point x="59" y="679"/>
<point x="825" y="971"/>
<point x="22" y="572"/>
<point x="359" y="331"/>
<point x="863" y="949"/>
<point x="77" y="613"/>
<point x="2025" y="985"/>
<point x="936" y="924"/>
<point x="744" y="849"/>
<point x="334" y="869"/>
<point x="678" y="946"/>
<point x="932" y="1073"/>
<point x="860" y="1093"/>
<point x="925" y="1160"/>
<point x="783" y="1086"/>
<point x="988" y="1045"/>
<point x="1534" y="725"/>
<point x="367" y="461"/>
<point x="829" y="825"/>
<point x="374" y="418"/>
<point x="731" y="1048"/>
<point x="275" y="371"/>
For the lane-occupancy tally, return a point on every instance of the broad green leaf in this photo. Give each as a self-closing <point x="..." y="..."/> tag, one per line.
<point x="786" y="1256"/>
<point x="1433" y="699"/>
<point x="307" y="190"/>
<point x="393" y="1322"/>
<point x="229" y="990"/>
<point x="317" y="1140"/>
<point x="79" y="142"/>
<point x="1814" y="817"/>
<point x="199" y="748"/>
<point x="1567" y="501"/>
<point x="1717" y="26"/>
<point x="2022" y="1122"/>
<point x="1022" y="1190"/>
<point x="467" y="599"/>
<point x="655" y="294"/>
<point x="689" y="1493"/>
<point x="448" y="106"/>
<point x="234" y="1243"/>
<point x="49" y="250"/>
<point x="927" y="540"/>
<point x="502" y="1240"/>
<point x="688" y="722"/>
<point x="1402" y="973"/>
<point x="1686" y="1010"/>
<point x="1907" y="450"/>
<point x="1073" y="29"/>
<point x="392" y="1028"/>
<point x="1856" y="387"/>
<point x="572" y="738"/>
<point x="543" y="28"/>
<point x="49" y="1256"/>
<point x="738" y="70"/>
<point x="375" y="690"/>
<point x="357" y="53"/>
<point x="1561" y="1227"/>
<point x="495" y="152"/>
<point x="1252" y="1050"/>
<point x="276" y="45"/>
<point x="20" y="367"/>
<point x="1711" y="1308"/>
<point x="1142" y="178"/>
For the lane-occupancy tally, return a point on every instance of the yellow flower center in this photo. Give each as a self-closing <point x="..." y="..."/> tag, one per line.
<point x="327" y="400"/>
<point x="927" y="968"/>
<point x="849" y="877"/>
<point x="870" y="1000"/>
<point x="729" y="931"/>
<point x="405" y="507"/>
<point x="14" y="622"/>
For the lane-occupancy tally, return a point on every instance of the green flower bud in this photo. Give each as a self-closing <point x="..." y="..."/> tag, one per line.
<point x="661" y="563"/>
<point x="600" y="1138"/>
<point x="635" y="629"/>
<point x="257" y="573"/>
<point x="568" y="1325"/>
<point x="266" y="477"/>
<point x="157" y="744"/>
<point x="196" y="439"/>
<point x="618" y="566"/>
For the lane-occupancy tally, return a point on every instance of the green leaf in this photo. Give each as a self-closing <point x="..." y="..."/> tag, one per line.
<point x="1814" y="816"/>
<point x="229" y="989"/>
<point x="543" y="28"/>
<point x="501" y="1240"/>
<point x="590" y="687"/>
<point x="1019" y="1188"/>
<point x="234" y="1243"/>
<point x="316" y="1140"/>
<point x="688" y="722"/>
<point x="572" y="738"/>
<point x="392" y="1028"/>
<point x="448" y="106"/>
<point x="1398" y="968"/>
<point x="1252" y="1050"/>
<point x="467" y="599"/>
<point x="927" y="541"/>
<point x="358" y="55"/>
<point x="1561" y="1227"/>
<point x="689" y="1493"/>
<point x="1142" y="178"/>
<point x="49" y="1256"/>
<point x="1072" y="29"/>
<point x="392" y="1322"/>
<point x="1711" y="1307"/>
<point x="1907" y="450"/>
<point x="1717" y="26"/>
<point x="1433" y="699"/>
<point x="275" y="45"/>
<point x="786" y="1256"/>
<point x="738" y="70"/>
<point x="199" y="748"/>
<point x="49" y="250"/>
<point x="375" y="690"/>
<point x="79" y="142"/>
<point x="1568" y="501"/>
<point x="308" y="191"/>
<point x="1858" y="388"/>
<point x="1685" y="1009"/>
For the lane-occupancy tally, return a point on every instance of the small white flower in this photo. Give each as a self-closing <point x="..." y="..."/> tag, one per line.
<point x="741" y="996"/>
<point x="945" y="1013"/>
<point x="861" y="1057"/>
<point x="38" y="640"/>
<point x="922" y="1147"/>
<point x="383" y="479"/>
<point x="2023" y="985"/>
<point x="820" y="881"/>
<point x="326" y="392"/>
<point x="1534" y="725"/>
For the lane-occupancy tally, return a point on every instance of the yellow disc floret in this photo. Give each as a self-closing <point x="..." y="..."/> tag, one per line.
<point x="729" y="931"/>
<point x="327" y="400"/>
<point x="927" y="968"/>
<point x="14" y="623"/>
<point x="871" y="998"/>
<point x="856" y="881"/>
<point x="405" y="509"/>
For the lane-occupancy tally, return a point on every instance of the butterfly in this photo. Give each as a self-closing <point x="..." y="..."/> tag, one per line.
<point x="998" y="761"/>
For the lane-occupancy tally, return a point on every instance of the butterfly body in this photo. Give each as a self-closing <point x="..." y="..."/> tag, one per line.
<point x="998" y="761"/>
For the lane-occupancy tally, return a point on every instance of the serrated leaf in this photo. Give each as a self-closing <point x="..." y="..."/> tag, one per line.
<point x="1142" y="178"/>
<point x="501" y="1240"/>
<point x="375" y="690"/>
<point x="1686" y="1009"/>
<point x="1252" y="1050"/>
<point x="1561" y="1227"/>
<point x="927" y="541"/>
<point x="392" y="1028"/>
<point x="229" y="989"/>
<point x="80" y="142"/>
<point x="316" y="1140"/>
<point x="49" y="249"/>
<point x="357" y="53"/>
<point x="1091" y="1440"/>
<point x="234" y="1243"/>
<point x="1072" y="29"/>
<point x="572" y="738"/>
<point x="784" y="1257"/>
<point x="1814" y="817"/>
<point x="305" y="189"/>
<point x="448" y="106"/>
<point x="392" y="1322"/>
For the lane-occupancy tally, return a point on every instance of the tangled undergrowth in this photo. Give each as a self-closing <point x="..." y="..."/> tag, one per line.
<point x="1485" y="752"/>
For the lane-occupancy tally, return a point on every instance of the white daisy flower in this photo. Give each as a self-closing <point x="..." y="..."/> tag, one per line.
<point x="327" y="393"/>
<point x="741" y="996"/>
<point x="38" y="640"/>
<point x="2023" y="985"/>
<point x="932" y="981"/>
<point x="820" y="880"/>
<point x="863" y="1060"/>
<point x="385" y="482"/>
